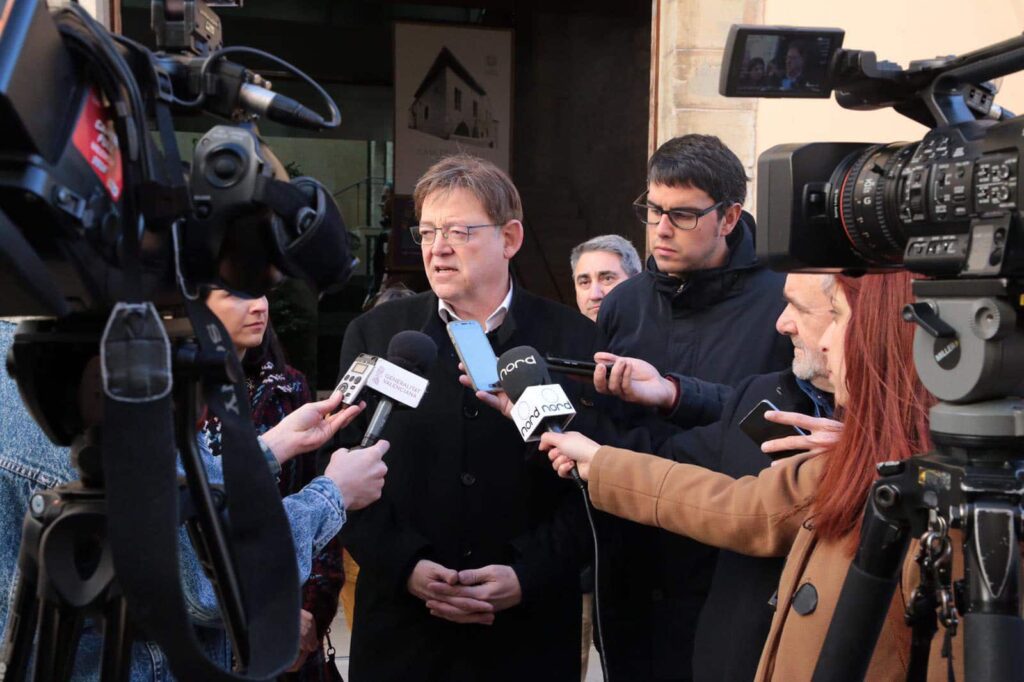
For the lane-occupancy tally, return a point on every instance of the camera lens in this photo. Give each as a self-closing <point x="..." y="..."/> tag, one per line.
<point x="866" y="189"/>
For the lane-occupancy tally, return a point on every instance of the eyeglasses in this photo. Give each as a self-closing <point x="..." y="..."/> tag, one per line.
<point x="681" y="218"/>
<point x="455" y="234"/>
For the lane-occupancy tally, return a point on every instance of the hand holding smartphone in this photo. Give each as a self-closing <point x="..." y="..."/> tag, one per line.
<point x="761" y="430"/>
<point x="475" y="354"/>
<point x="582" y="368"/>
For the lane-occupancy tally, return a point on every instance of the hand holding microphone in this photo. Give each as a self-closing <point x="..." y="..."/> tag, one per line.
<point x="633" y="380"/>
<point x="569" y="453"/>
<point x="540" y="405"/>
<point x="309" y="427"/>
<point x="359" y="474"/>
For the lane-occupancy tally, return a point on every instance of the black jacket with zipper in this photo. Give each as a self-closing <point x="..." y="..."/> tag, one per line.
<point x="719" y="326"/>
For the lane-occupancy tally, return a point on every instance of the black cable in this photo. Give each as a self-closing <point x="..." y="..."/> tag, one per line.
<point x="105" y="52"/>
<point x="598" y="628"/>
<point x="218" y="54"/>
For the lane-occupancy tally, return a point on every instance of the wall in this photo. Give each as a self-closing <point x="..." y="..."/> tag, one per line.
<point x="580" y="129"/>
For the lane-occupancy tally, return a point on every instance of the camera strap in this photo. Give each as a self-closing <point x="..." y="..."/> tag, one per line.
<point x="142" y="500"/>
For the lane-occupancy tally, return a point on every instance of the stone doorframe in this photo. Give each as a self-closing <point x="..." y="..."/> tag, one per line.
<point x="687" y="41"/>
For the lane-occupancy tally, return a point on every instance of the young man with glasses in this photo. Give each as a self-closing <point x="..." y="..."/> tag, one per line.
<point x="470" y="565"/>
<point x="705" y="308"/>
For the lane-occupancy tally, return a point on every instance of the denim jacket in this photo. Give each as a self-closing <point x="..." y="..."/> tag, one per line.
<point x="316" y="514"/>
<point x="30" y="462"/>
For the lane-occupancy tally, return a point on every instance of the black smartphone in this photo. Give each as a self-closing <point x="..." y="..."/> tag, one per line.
<point x="760" y="430"/>
<point x="583" y="368"/>
<point x="475" y="353"/>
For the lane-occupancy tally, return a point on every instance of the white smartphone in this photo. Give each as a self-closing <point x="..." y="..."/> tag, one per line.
<point x="475" y="353"/>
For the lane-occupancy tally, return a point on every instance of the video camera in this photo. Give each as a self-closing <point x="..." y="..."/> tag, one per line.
<point x="109" y="239"/>
<point x="946" y="207"/>
<point x="84" y="186"/>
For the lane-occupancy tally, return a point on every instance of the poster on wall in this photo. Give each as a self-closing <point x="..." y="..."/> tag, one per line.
<point x="453" y="92"/>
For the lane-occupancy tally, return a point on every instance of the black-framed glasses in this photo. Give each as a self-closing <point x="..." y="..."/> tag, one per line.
<point x="681" y="218"/>
<point x="453" y="234"/>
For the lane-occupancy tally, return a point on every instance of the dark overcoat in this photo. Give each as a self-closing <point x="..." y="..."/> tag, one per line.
<point x="463" y="490"/>
<point x="741" y="599"/>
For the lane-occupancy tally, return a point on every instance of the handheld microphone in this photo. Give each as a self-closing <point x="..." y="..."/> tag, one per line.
<point x="540" y="405"/>
<point x="399" y="378"/>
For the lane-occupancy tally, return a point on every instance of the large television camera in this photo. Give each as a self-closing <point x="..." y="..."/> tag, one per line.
<point x="946" y="207"/>
<point x="79" y="165"/>
<point x="108" y="241"/>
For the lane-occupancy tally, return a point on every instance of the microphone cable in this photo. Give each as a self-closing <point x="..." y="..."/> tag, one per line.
<point x="598" y="627"/>
<point x="220" y="53"/>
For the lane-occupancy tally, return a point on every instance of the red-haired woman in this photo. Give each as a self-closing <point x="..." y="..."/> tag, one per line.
<point x="807" y="508"/>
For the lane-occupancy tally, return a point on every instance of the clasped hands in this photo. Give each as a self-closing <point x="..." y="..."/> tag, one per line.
<point x="471" y="596"/>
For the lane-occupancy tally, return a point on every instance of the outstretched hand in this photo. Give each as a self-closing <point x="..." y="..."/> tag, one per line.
<point x="309" y="427"/>
<point x="633" y="380"/>
<point x="822" y="437"/>
<point x="359" y="474"/>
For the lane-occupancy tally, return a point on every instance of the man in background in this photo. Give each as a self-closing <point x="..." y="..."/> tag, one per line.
<point x="740" y="601"/>
<point x="598" y="266"/>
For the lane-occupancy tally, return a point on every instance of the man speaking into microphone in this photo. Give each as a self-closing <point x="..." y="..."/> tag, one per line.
<point x="470" y="561"/>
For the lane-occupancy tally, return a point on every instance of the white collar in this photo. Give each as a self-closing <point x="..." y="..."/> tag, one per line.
<point x="493" y="321"/>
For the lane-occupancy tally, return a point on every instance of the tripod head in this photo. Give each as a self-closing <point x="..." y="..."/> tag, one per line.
<point x="969" y="352"/>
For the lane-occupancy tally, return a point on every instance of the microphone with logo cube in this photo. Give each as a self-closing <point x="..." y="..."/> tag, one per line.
<point x="398" y="378"/>
<point x="539" y="404"/>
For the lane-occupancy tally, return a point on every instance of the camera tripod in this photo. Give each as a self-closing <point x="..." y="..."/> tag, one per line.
<point x="969" y="352"/>
<point x="67" y="557"/>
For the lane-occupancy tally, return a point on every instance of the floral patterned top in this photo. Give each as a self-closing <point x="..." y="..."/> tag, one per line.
<point x="273" y="395"/>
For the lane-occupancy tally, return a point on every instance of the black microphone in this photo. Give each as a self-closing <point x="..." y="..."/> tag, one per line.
<point x="412" y="352"/>
<point x="521" y="368"/>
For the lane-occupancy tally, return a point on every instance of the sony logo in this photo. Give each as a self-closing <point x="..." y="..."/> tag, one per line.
<point x="511" y="367"/>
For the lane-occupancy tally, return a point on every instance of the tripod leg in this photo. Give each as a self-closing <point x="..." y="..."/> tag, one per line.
<point x="865" y="597"/>
<point x="117" y="642"/>
<point x="993" y="628"/>
<point x="57" y="643"/>
<point x="21" y="629"/>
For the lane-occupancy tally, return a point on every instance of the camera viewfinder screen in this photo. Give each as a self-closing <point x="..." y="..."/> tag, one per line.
<point x="782" y="64"/>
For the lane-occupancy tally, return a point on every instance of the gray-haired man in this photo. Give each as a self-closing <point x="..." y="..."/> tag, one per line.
<point x="598" y="266"/>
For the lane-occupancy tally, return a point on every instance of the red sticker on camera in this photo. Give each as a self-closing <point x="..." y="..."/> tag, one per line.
<point x="96" y="140"/>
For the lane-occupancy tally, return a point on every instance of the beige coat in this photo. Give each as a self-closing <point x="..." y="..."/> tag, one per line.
<point x="764" y="515"/>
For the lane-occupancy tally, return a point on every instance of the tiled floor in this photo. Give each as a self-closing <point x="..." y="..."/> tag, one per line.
<point x="340" y="637"/>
